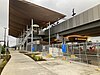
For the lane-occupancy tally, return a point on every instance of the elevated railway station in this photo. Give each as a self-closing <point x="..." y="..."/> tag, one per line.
<point x="27" y="21"/>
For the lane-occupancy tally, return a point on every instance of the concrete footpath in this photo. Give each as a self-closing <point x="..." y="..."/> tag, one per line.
<point x="20" y="64"/>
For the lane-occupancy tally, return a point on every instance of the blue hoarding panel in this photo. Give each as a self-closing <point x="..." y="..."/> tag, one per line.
<point x="33" y="49"/>
<point x="64" y="48"/>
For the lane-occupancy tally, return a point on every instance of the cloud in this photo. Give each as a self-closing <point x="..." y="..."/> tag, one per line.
<point x="1" y="33"/>
<point x="3" y="13"/>
<point x="66" y="6"/>
<point x="3" y="17"/>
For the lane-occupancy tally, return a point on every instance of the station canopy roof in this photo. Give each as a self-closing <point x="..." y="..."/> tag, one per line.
<point x="21" y="12"/>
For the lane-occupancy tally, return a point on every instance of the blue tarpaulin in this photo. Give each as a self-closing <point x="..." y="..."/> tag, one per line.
<point x="33" y="49"/>
<point x="64" y="47"/>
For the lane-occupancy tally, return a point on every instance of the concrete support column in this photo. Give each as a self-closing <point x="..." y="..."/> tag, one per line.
<point x="21" y="42"/>
<point x="27" y="37"/>
<point x="26" y="44"/>
<point x="49" y="34"/>
<point x="31" y="34"/>
<point x="23" y="47"/>
<point x="63" y="40"/>
<point x="23" y="39"/>
<point x="85" y="50"/>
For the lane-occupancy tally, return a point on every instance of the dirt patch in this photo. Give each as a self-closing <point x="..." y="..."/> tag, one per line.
<point x="52" y="63"/>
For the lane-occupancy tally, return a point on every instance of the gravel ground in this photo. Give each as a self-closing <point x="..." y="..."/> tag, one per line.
<point x="61" y="67"/>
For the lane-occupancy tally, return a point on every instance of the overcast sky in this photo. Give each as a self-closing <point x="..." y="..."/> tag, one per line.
<point x="63" y="6"/>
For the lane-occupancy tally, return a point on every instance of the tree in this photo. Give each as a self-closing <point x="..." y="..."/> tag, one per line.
<point x="2" y="49"/>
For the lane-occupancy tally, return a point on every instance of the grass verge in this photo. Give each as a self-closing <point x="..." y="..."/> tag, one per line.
<point x="4" y="62"/>
<point x="34" y="57"/>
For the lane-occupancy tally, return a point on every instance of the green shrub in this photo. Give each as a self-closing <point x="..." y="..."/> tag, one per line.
<point x="3" y="50"/>
<point x="33" y="55"/>
<point x="37" y="58"/>
<point x="7" y="57"/>
<point x="2" y="65"/>
<point x="4" y="62"/>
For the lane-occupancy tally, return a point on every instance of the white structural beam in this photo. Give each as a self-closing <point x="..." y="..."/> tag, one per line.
<point x="31" y="34"/>
<point x="49" y="34"/>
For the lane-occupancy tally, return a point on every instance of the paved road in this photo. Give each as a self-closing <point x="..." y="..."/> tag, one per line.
<point x="21" y="64"/>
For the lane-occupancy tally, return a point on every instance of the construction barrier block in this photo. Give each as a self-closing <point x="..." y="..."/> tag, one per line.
<point x="73" y="56"/>
<point x="49" y="56"/>
<point x="63" y="58"/>
<point x="97" y="69"/>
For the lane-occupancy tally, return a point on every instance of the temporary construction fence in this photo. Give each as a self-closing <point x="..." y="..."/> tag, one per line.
<point x="87" y="52"/>
<point x="55" y="50"/>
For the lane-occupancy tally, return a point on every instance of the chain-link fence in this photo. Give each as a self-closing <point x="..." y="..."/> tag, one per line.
<point x="86" y="52"/>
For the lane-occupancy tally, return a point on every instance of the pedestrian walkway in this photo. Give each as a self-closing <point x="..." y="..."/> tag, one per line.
<point x="20" y="64"/>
